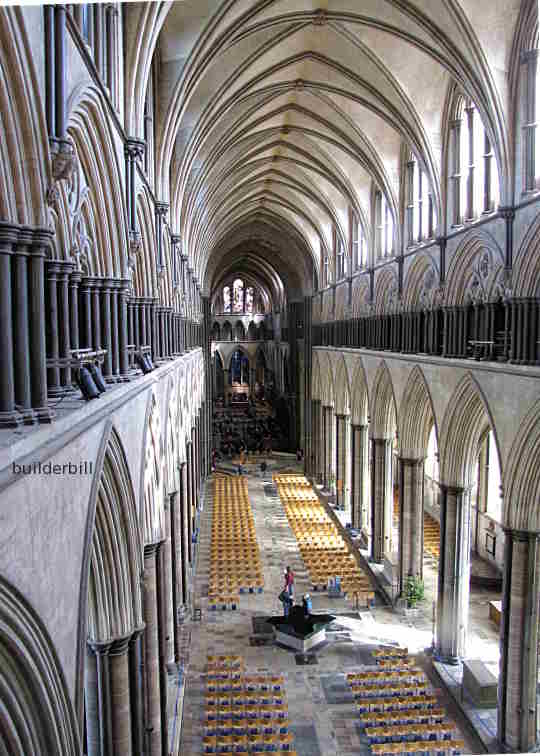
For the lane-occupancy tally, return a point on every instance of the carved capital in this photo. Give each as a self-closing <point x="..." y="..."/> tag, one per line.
<point x="134" y="148"/>
<point x="161" y="208"/>
<point x="176" y="241"/>
<point x="508" y="213"/>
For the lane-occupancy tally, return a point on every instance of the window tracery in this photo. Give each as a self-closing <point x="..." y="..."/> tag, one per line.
<point x="473" y="185"/>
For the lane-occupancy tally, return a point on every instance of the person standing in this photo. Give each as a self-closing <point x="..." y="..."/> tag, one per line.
<point x="289" y="581"/>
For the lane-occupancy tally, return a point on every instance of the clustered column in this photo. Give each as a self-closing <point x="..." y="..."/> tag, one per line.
<point x="341" y="443"/>
<point x="151" y="652"/>
<point x="329" y="423"/>
<point x="22" y="263"/>
<point x="113" y="689"/>
<point x="186" y="536"/>
<point x="517" y="696"/>
<point x="316" y="438"/>
<point x="454" y="572"/>
<point x="381" y="497"/>
<point x="411" y="517"/>
<point x="359" y="475"/>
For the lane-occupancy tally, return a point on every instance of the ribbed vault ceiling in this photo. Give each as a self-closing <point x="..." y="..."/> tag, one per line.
<point x="280" y="114"/>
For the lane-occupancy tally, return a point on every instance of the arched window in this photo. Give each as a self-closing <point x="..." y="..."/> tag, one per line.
<point x="340" y="256"/>
<point x="493" y="498"/>
<point x="384" y="227"/>
<point x="431" y="464"/>
<point x="238" y="295"/>
<point x="239" y="368"/>
<point x="359" y="246"/>
<point x="226" y="299"/>
<point x="530" y="98"/>
<point x="250" y="296"/>
<point x="325" y="265"/>
<point x="473" y="180"/>
<point x="419" y="212"/>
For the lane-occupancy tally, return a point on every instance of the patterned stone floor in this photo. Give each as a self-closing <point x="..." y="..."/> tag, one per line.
<point x="322" y="715"/>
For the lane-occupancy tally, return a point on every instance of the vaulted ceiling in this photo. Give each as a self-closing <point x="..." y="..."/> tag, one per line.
<point x="277" y="116"/>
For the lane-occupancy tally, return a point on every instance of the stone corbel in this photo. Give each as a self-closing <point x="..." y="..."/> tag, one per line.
<point x="63" y="159"/>
<point x="135" y="248"/>
<point x="320" y="18"/>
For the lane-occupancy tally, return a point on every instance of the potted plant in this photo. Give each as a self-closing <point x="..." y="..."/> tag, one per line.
<point x="331" y="483"/>
<point x="414" y="593"/>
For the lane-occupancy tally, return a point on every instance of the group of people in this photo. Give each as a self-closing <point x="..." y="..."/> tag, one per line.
<point x="287" y="595"/>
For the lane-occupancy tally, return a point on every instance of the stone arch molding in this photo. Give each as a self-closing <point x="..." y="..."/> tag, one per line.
<point x="342" y="389"/>
<point x="327" y="382"/>
<point x="383" y="405"/>
<point x="522" y="478"/>
<point x="416" y="417"/>
<point x="476" y="270"/>
<point x="172" y="435"/>
<point x="24" y="161"/>
<point x="114" y="592"/>
<point x="466" y="418"/>
<point x="153" y="525"/>
<point x="359" y="396"/>
<point x="316" y="393"/>
<point x="37" y="717"/>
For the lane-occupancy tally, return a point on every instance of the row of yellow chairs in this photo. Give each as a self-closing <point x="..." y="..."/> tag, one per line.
<point x="324" y="551"/>
<point x="216" y="744"/>
<point x="423" y="747"/>
<point x="246" y="682"/>
<point x="405" y="730"/>
<point x="385" y="675"/>
<point x="404" y="716"/>
<point x="235" y="564"/>
<point x="240" y="729"/>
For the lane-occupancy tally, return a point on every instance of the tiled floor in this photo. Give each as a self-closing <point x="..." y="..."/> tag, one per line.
<point x="321" y="711"/>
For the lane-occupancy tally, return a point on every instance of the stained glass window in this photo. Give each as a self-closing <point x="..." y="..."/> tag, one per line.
<point x="226" y="299"/>
<point x="238" y="296"/>
<point x="249" y="299"/>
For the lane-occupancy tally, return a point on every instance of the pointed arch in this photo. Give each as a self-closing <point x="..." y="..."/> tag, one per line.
<point x="37" y="715"/>
<point x="327" y="381"/>
<point x="522" y="476"/>
<point x="343" y="389"/>
<point x="153" y="472"/>
<point x="171" y="435"/>
<point x="238" y="348"/>
<point x="475" y="269"/>
<point x="216" y="332"/>
<point x="361" y="298"/>
<point x="421" y="282"/>
<point x="114" y="591"/>
<point x="386" y="288"/>
<point x="383" y="405"/>
<point x="239" y="331"/>
<point x="526" y="274"/>
<point x="466" y="419"/>
<point x="416" y="417"/>
<point x="24" y="150"/>
<point x="359" y="396"/>
<point x="226" y="331"/>
<point x="144" y="279"/>
<point x="94" y="141"/>
<point x="316" y="393"/>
